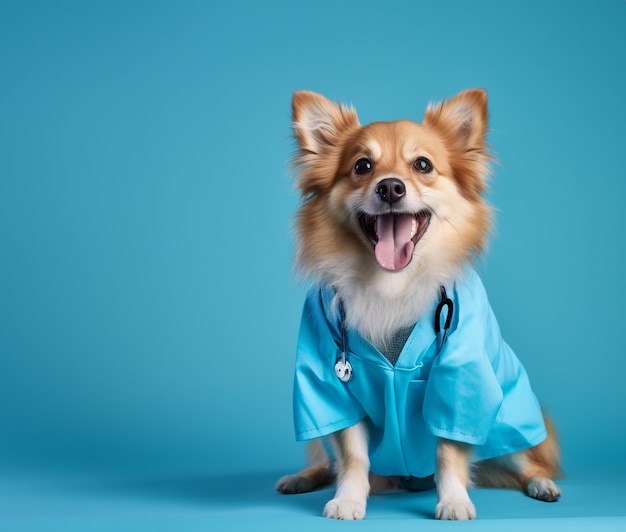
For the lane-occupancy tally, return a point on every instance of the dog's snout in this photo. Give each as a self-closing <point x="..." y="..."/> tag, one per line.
<point x="391" y="190"/>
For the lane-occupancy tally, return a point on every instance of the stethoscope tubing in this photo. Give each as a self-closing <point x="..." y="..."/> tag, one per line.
<point x="343" y="368"/>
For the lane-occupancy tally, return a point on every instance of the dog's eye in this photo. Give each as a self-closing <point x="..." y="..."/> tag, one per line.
<point x="362" y="166"/>
<point x="423" y="165"/>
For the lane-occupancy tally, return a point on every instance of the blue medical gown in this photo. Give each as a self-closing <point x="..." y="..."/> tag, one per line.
<point x="473" y="390"/>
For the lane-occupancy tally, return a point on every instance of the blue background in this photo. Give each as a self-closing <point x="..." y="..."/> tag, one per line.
<point x="148" y="313"/>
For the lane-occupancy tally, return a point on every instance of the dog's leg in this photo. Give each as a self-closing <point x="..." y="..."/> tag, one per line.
<point x="532" y="470"/>
<point x="353" y="485"/>
<point x="309" y="479"/>
<point x="542" y="465"/>
<point x="316" y="476"/>
<point x="452" y="479"/>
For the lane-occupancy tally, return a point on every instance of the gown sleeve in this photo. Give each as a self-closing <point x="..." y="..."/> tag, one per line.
<point x="322" y="404"/>
<point x="463" y="395"/>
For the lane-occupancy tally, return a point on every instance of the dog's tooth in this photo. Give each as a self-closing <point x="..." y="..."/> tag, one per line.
<point x="413" y="227"/>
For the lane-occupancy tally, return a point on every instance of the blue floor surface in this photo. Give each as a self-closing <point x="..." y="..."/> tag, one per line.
<point x="64" y="503"/>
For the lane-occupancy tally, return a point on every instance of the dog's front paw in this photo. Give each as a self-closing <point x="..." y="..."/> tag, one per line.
<point x="543" y="489"/>
<point x="345" y="509"/>
<point x="455" y="510"/>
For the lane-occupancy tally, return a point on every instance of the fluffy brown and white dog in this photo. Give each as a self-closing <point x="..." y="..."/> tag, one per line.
<point x="391" y="213"/>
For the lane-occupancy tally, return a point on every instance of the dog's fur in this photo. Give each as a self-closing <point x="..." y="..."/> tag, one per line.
<point x="382" y="298"/>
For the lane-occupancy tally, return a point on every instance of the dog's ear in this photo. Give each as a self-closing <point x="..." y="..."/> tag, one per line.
<point x="318" y="122"/>
<point x="462" y="120"/>
<point x="462" y="123"/>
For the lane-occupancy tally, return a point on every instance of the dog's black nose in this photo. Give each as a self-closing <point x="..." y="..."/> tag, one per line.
<point x="391" y="190"/>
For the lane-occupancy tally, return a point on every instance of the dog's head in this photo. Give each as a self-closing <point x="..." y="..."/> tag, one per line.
<point x="390" y="198"/>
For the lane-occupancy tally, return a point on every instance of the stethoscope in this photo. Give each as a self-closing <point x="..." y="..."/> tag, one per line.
<point x="343" y="368"/>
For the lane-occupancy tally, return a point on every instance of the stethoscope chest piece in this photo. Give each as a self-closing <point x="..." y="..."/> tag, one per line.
<point x="343" y="370"/>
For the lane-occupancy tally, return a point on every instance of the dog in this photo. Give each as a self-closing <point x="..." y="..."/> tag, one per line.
<point x="402" y="378"/>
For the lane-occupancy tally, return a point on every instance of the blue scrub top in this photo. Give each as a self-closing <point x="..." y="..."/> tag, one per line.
<point x="472" y="390"/>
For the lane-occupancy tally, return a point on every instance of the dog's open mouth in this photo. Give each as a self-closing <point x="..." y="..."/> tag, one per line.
<point x="394" y="236"/>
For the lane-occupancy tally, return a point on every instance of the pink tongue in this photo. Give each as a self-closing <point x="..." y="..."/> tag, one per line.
<point x="395" y="247"/>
